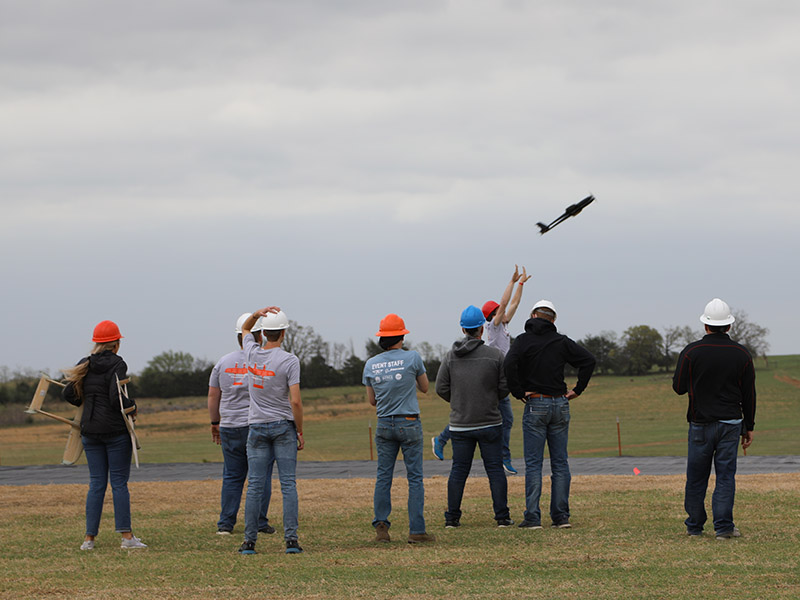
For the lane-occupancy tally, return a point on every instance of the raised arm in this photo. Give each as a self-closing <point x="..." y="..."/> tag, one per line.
<point x="514" y="304"/>
<point x="248" y="325"/>
<point x="500" y="314"/>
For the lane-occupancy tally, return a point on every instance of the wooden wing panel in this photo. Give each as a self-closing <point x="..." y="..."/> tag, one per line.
<point x="74" y="447"/>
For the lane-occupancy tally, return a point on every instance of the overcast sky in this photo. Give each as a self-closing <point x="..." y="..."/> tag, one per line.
<point x="169" y="165"/>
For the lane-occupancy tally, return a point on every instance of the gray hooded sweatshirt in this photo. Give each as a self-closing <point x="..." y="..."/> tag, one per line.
<point x="472" y="380"/>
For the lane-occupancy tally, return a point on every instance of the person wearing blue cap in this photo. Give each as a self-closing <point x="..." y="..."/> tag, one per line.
<point x="472" y="380"/>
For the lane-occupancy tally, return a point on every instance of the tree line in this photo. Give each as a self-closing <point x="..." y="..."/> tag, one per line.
<point x="639" y="350"/>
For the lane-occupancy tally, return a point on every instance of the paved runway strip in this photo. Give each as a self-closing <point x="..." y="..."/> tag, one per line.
<point x="647" y="465"/>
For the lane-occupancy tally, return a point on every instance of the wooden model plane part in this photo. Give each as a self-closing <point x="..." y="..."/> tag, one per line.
<point x="74" y="447"/>
<point x="122" y="390"/>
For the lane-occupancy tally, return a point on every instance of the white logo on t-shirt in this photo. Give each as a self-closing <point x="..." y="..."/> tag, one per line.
<point x="399" y="376"/>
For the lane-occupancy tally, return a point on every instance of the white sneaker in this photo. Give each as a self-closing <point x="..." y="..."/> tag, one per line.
<point x="87" y="545"/>
<point x="134" y="542"/>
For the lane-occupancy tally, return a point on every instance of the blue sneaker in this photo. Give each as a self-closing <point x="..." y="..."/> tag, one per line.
<point x="292" y="547"/>
<point x="509" y="468"/>
<point x="438" y="448"/>
<point x="248" y="548"/>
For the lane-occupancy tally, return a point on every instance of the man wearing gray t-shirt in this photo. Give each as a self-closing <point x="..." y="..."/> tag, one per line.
<point x="498" y="316"/>
<point x="228" y="407"/>
<point x="275" y="418"/>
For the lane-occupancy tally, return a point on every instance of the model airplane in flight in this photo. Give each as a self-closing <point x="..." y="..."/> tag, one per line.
<point x="571" y="211"/>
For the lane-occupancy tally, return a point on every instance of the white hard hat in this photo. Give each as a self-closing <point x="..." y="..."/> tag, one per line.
<point x="240" y="321"/>
<point x="274" y="321"/>
<point x="717" y="313"/>
<point x="544" y="304"/>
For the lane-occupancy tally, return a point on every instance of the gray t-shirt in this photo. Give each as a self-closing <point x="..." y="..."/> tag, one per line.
<point x="272" y="372"/>
<point x="230" y="376"/>
<point x="497" y="336"/>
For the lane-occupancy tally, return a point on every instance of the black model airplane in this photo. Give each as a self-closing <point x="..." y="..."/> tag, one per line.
<point x="571" y="211"/>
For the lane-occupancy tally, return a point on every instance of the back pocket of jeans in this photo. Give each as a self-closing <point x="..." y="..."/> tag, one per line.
<point x="697" y="434"/>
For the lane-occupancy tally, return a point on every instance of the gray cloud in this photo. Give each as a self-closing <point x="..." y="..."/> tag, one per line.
<point x="172" y="165"/>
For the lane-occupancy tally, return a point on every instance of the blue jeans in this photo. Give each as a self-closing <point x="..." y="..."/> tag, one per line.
<point x="717" y="442"/>
<point x="508" y="421"/>
<point x="269" y="443"/>
<point x="546" y="419"/>
<point x="234" y="474"/>
<point x="490" y="440"/>
<point x="108" y="457"/>
<point x="392" y="435"/>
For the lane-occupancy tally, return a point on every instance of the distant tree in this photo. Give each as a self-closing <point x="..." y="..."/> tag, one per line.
<point x="303" y="342"/>
<point x="171" y="362"/>
<point x="318" y="373"/>
<point x="353" y="370"/>
<point x="674" y="337"/>
<point x="372" y="348"/>
<point x="171" y="374"/>
<point x="749" y="334"/>
<point x="338" y="355"/>
<point x="640" y="349"/>
<point x="605" y="348"/>
<point x="432" y="357"/>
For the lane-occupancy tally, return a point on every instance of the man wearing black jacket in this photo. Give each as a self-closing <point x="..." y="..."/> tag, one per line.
<point x="534" y="369"/>
<point x="718" y="375"/>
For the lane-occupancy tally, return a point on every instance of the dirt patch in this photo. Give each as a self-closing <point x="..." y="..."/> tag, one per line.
<point x="789" y="380"/>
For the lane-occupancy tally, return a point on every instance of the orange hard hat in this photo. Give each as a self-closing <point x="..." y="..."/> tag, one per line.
<point x="392" y="325"/>
<point x="106" y="331"/>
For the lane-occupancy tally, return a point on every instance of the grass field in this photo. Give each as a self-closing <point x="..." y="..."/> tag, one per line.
<point x="652" y="422"/>
<point x="627" y="542"/>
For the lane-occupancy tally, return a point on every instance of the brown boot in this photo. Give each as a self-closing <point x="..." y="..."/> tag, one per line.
<point x="418" y="538"/>
<point x="382" y="532"/>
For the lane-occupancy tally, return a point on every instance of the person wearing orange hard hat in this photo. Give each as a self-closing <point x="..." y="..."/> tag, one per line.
<point x="497" y="316"/>
<point x="92" y="383"/>
<point x="392" y="379"/>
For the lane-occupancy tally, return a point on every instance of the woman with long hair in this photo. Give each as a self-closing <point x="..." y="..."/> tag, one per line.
<point x="106" y="442"/>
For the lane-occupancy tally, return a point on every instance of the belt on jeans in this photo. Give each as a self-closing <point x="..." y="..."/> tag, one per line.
<point x="537" y="396"/>
<point x="400" y="416"/>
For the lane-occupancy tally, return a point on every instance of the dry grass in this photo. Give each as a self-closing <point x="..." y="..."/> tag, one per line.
<point x="627" y="542"/>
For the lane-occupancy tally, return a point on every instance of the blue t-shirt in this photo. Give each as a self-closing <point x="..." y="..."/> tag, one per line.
<point x="393" y="375"/>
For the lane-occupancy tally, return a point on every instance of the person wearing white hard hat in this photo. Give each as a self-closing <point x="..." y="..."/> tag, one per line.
<point x="534" y="369"/>
<point x="275" y="418"/>
<point x="228" y="409"/>
<point x="718" y="375"/>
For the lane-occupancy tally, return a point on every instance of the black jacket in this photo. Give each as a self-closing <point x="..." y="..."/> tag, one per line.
<point x="719" y="376"/>
<point x="535" y="362"/>
<point x="102" y="417"/>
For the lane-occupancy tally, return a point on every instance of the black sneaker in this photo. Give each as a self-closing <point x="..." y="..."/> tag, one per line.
<point x="267" y="529"/>
<point x="504" y="522"/>
<point x="452" y="524"/>
<point x="248" y="548"/>
<point x="529" y="525"/>
<point x="292" y="547"/>
<point x="562" y="525"/>
<point x="224" y="532"/>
